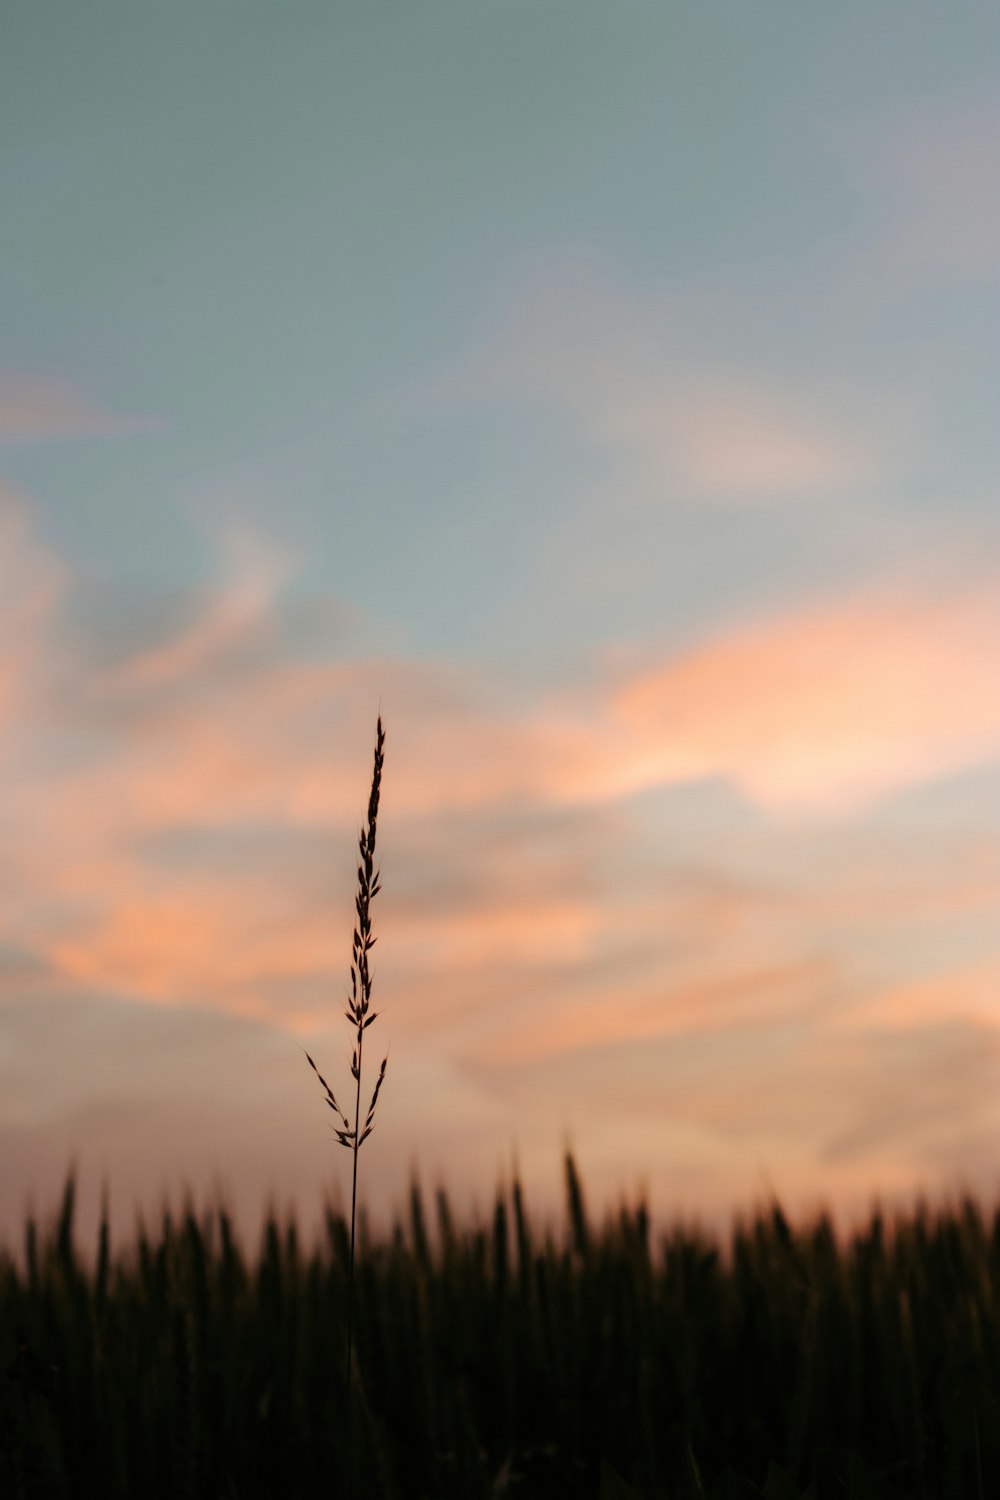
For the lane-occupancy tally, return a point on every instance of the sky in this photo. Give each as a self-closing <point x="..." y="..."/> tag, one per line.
<point x="606" y="394"/>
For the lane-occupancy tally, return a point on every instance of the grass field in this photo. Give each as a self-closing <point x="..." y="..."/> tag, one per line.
<point x="494" y="1359"/>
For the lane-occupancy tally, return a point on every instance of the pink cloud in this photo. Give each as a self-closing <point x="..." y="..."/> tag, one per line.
<point x="964" y="992"/>
<point x="736" y="443"/>
<point x="33" y="408"/>
<point x="620" y="364"/>
<point x="828" y="707"/>
<point x="32" y="586"/>
<point x="211" y="941"/>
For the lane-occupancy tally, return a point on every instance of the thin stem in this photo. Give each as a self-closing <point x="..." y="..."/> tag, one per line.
<point x="360" y="1002"/>
<point x="361" y="1016"/>
<point x="354" y="1205"/>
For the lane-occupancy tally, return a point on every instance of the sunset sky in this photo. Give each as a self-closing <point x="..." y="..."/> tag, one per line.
<point x="605" y="392"/>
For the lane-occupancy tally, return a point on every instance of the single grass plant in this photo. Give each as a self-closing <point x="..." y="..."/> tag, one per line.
<point x="360" y="1016"/>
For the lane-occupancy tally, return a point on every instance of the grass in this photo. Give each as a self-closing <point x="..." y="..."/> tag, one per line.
<point x="496" y="1359"/>
<point x="360" y="1016"/>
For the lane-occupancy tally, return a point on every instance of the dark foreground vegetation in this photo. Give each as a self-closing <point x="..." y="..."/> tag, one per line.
<point x="498" y="1361"/>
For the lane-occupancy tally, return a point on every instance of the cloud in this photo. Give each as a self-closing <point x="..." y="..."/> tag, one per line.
<point x="624" y="367"/>
<point x="737" y="1000"/>
<point x="968" y="993"/>
<point x="33" y="585"/>
<point x="821" y="709"/>
<point x="239" y="610"/>
<point x="735" y="443"/>
<point x="36" y="408"/>
<point x="922" y="1092"/>
<point x="828" y="707"/>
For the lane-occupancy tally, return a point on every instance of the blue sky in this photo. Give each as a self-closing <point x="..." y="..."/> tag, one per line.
<point x="607" y="393"/>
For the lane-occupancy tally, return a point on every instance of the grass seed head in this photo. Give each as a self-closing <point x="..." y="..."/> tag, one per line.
<point x="358" y="1012"/>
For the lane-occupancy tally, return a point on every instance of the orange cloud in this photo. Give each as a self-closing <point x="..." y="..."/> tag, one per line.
<point x="827" y="707"/>
<point x="965" y="992"/>
<point x="224" y="940"/>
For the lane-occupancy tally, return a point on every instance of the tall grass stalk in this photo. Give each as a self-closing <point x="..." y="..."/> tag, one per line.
<point x="360" y="1016"/>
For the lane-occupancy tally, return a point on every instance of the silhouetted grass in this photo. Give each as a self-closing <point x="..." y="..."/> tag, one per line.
<point x="360" y="1015"/>
<point x="496" y="1360"/>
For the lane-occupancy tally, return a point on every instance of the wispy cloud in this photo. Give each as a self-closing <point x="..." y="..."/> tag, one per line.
<point x="622" y="365"/>
<point x="742" y="998"/>
<point x="37" y="408"/>
<point x="735" y="443"/>
<point x="240" y="609"/>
